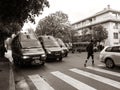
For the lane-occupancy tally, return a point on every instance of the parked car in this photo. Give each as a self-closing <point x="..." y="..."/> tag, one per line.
<point x="62" y="45"/>
<point x="26" y="49"/>
<point x="110" y="56"/>
<point x="51" y="47"/>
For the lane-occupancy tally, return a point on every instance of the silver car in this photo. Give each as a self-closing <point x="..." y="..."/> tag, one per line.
<point x="110" y="56"/>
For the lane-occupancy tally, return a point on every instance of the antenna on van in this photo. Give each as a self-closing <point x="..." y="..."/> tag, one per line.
<point x="28" y="37"/>
<point x="48" y="37"/>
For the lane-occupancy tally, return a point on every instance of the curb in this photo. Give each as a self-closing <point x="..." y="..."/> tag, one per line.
<point x="11" y="78"/>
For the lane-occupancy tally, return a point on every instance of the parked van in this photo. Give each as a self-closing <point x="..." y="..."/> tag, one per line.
<point x="51" y="47"/>
<point x="62" y="45"/>
<point x="26" y="49"/>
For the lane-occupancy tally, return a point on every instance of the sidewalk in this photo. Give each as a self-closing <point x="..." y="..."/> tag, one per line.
<point x="6" y="73"/>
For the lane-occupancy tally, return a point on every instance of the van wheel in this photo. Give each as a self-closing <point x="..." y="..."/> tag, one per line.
<point x="109" y="63"/>
<point x="17" y="62"/>
<point x="60" y="59"/>
<point x="43" y="63"/>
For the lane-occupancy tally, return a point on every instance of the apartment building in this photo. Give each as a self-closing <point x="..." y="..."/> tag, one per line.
<point x="108" y="18"/>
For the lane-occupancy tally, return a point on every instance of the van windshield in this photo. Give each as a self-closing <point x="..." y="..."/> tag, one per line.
<point x="50" y="42"/>
<point x="31" y="44"/>
<point x="29" y="41"/>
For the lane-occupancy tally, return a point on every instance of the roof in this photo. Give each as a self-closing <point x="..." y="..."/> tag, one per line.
<point x="98" y="13"/>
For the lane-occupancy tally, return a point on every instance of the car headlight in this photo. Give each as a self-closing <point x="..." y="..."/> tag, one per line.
<point x="43" y="55"/>
<point x="25" y="57"/>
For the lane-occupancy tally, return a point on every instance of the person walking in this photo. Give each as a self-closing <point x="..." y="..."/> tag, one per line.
<point x="90" y="53"/>
<point x="2" y="50"/>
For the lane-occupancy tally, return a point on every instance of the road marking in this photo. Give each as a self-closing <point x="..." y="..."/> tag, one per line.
<point x="97" y="77"/>
<point x="71" y="81"/>
<point x="101" y="65"/>
<point x="104" y="71"/>
<point x="22" y="85"/>
<point x="40" y="83"/>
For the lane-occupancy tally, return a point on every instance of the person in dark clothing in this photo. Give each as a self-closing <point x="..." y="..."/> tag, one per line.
<point x="2" y="50"/>
<point x="90" y="52"/>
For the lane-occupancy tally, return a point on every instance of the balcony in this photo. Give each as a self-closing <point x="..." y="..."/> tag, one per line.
<point x="97" y="21"/>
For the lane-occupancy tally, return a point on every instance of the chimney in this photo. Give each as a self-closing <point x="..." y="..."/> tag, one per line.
<point x="108" y="6"/>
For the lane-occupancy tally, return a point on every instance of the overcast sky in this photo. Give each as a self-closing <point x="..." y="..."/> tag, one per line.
<point x="76" y="9"/>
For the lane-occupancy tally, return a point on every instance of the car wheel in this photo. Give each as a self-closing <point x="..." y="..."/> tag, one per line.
<point x="109" y="63"/>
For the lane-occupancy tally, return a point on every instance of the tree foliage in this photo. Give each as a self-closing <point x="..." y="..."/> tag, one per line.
<point x="74" y="38"/>
<point x="56" y="24"/>
<point x="13" y="13"/>
<point x="20" y="10"/>
<point x="99" y="33"/>
<point x="85" y="36"/>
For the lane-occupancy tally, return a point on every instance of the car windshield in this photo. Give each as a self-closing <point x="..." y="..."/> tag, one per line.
<point x="50" y="42"/>
<point x="29" y="41"/>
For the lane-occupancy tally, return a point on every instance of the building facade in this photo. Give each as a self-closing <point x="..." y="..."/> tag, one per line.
<point x="108" y="18"/>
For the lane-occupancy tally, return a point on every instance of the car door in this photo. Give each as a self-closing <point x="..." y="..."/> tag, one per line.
<point x="116" y="54"/>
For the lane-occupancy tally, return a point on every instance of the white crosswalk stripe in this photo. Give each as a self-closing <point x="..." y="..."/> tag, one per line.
<point x="40" y="83"/>
<point x="71" y="81"/>
<point x="97" y="77"/>
<point x="104" y="71"/>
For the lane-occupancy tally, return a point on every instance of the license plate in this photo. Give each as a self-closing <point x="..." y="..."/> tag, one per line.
<point x="37" y="61"/>
<point x="57" y="53"/>
<point x="36" y="57"/>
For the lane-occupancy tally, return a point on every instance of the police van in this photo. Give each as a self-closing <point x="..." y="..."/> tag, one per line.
<point x="51" y="47"/>
<point x="26" y="49"/>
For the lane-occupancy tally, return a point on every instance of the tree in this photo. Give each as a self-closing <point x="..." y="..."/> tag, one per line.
<point x="85" y="36"/>
<point x="13" y="14"/>
<point x="55" y="24"/>
<point x="73" y="36"/>
<point x="99" y="33"/>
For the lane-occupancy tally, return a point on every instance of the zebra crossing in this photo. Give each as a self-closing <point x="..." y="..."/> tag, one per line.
<point x="42" y="84"/>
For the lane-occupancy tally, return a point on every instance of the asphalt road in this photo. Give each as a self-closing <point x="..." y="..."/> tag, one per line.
<point x="69" y="74"/>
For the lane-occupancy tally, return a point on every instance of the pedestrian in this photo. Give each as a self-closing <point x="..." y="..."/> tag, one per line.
<point x="2" y="50"/>
<point x="90" y="53"/>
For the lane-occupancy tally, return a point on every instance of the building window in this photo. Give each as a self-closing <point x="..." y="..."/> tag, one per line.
<point x="115" y="26"/>
<point x="115" y="35"/>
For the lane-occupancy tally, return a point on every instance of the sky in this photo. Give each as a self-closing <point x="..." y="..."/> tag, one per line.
<point x="75" y="9"/>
